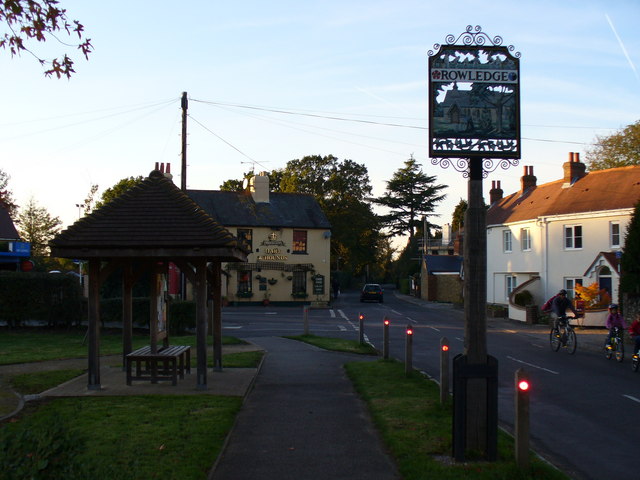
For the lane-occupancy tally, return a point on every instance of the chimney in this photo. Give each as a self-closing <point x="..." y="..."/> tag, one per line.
<point x="528" y="180"/>
<point x="495" y="193"/>
<point x="167" y="172"/>
<point x="574" y="169"/>
<point x="259" y="187"/>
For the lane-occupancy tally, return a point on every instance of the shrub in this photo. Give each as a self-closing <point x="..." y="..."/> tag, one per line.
<point x="523" y="298"/>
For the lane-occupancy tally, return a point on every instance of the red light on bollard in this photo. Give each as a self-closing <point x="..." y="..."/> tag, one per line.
<point x="361" y="316"/>
<point x="445" y="348"/>
<point x="386" y="322"/>
<point x="523" y="385"/>
<point x="409" y="331"/>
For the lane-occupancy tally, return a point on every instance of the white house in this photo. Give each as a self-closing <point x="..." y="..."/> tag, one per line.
<point x="552" y="236"/>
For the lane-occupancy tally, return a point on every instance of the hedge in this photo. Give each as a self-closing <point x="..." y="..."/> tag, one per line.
<point x="54" y="298"/>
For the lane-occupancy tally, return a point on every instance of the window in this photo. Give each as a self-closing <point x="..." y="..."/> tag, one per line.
<point x="572" y="237"/>
<point x="510" y="284"/>
<point x="570" y="286"/>
<point x="246" y="234"/>
<point x="244" y="283"/>
<point x="525" y="239"/>
<point x="507" y="241"/>
<point x="299" y="241"/>
<point x="299" y="283"/>
<point x="615" y="234"/>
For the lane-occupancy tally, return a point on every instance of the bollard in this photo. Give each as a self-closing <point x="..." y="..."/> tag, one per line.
<point x="408" y="354"/>
<point x="444" y="370"/>
<point x="361" y="327"/>
<point x="385" y="339"/>
<point x="522" y="419"/>
<point x="305" y="317"/>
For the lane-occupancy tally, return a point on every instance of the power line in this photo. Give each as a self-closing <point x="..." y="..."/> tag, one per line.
<point x="223" y="140"/>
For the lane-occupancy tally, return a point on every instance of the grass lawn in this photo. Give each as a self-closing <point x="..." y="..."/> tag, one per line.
<point x="336" y="344"/>
<point x="35" y="346"/>
<point x="143" y="437"/>
<point x="417" y="429"/>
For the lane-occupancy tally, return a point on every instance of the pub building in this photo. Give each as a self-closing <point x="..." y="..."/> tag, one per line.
<point x="289" y="239"/>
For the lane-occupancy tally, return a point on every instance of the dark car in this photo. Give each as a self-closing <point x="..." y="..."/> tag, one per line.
<point x="372" y="291"/>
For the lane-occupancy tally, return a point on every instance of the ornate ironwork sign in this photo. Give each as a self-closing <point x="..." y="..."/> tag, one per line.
<point x="474" y="98"/>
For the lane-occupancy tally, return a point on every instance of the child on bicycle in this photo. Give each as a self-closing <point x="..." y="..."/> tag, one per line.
<point x="614" y="319"/>
<point x="634" y="331"/>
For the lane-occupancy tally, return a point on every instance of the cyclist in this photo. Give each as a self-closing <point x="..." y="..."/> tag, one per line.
<point x="634" y="331"/>
<point x="559" y="306"/>
<point x="614" y="319"/>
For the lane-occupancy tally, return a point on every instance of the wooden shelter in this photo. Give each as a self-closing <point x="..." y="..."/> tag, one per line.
<point x="142" y="230"/>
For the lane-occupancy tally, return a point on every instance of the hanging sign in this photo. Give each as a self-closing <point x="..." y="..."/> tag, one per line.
<point x="474" y="99"/>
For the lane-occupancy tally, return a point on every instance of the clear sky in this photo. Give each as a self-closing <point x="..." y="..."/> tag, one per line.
<point x="333" y="61"/>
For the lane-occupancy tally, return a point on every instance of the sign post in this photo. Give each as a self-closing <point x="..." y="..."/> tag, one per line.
<point x="474" y="126"/>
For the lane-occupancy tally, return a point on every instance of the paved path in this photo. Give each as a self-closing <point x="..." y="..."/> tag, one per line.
<point x="303" y="420"/>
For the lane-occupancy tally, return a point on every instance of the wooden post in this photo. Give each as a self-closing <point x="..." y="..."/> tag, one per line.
<point x="361" y="327"/>
<point x="475" y="285"/>
<point x="201" y="322"/>
<point x="127" y="311"/>
<point x="444" y="370"/>
<point x="522" y="419"/>
<point x="408" y="351"/>
<point x="217" y="316"/>
<point x="385" y="341"/>
<point x="183" y="174"/>
<point x="94" y="325"/>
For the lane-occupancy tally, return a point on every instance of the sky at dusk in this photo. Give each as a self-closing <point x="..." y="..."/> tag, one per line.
<point x="270" y="82"/>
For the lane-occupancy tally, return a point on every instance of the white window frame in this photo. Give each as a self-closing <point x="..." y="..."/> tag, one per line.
<point x="507" y="241"/>
<point x="570" y="286"/>
<point x="614" y="234"/>
<point x="510" y="284"/>
<point x="525" y="239"/>
<point x="570" y="241"/>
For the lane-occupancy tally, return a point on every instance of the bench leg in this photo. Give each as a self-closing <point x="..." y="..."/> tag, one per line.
<point x="127" y="362"/>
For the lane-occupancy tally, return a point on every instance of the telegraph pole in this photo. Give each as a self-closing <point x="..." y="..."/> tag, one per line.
<point x="183" y="175"/>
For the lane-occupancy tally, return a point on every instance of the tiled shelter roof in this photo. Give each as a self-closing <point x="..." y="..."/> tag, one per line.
<point x="153" y="219"/>
<point x="601" y="190"/>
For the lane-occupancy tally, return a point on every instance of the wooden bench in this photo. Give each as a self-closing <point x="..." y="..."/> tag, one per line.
<point x="174" y="359"/>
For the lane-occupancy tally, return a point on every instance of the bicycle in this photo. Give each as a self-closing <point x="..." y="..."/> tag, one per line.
<point x="563" y="336"/>
<point x="616" y="345"/>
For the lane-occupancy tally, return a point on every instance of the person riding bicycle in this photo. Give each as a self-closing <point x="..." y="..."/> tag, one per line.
<point x="559" y="306"/>
<point x="614" y="319"/>
<point x="634" y="331"/>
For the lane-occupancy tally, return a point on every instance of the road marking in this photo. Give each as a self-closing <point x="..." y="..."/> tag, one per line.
<point x="433" y="328"/>
<point x="412" y="320"/>
<point x="343" y="315"/>
<point x="332" y="313"/>
<point x="632" y="398"/>
<point x="511" y="331"/>
<point x="397" y="313"/>
<point x="460" y="339"/>
<point x="532" y="365"/>
<point x="270" y="313"/>
<point x="342" y="328"/>
<point x="233" y="328"/>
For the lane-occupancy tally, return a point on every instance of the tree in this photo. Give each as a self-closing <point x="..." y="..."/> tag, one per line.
<point x="457" y="219"/>
<point x="39" y="20"/>
<point x="6" y="197"/>
<point x="630" y="260"/>
<point x="342" y="189"/>
<point x="410" y="195"/>
<point x="620" y="149"/>
<point x="37" y="227"/>
<point x="118" y="189"/>
<point x="89" y="202"/>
